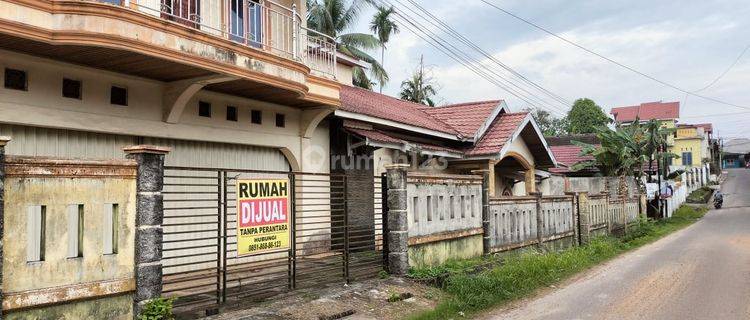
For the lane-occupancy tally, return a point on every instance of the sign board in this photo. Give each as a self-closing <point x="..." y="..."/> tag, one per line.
<point x="651" y="190"/>
<point x="262" y="216"/>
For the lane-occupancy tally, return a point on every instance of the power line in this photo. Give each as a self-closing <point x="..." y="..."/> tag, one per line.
<point x="631" y="69"/>
<point x="462" y="57"/>
<point x="725" y="71"/>
<point x="489" y="56"/>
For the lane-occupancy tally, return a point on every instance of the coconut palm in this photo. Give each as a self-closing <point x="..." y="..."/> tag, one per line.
<point x="334" y="18"/>
<point x="383" y="27"/>
<point x="419" y="88"/>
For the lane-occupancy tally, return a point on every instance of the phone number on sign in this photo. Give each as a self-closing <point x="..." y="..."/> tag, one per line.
<point x="264" y="246"/>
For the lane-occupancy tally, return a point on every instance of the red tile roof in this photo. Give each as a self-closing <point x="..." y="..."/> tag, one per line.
<point x="380" y="136"/>
<point x="647" y="111"/>
<point x="707" y="127"/>
<point x="381" y="106"/>
<point x="567" y="156"/>
<point x="466" y="118"/>
<point x="498" y="134"/>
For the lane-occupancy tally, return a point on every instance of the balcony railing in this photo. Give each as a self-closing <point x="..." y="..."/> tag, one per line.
<point x="263" y="25"/>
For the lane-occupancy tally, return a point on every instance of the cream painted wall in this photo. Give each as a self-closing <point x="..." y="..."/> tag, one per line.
<point x="519" y="146"/>
<point x="43" y="106"/>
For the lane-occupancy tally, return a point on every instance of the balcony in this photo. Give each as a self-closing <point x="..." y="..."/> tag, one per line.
<point x="262" y="25"/>
<point x="255" y="49"/>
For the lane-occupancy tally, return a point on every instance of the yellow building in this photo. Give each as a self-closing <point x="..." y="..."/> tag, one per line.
<point x="689" y="145"/>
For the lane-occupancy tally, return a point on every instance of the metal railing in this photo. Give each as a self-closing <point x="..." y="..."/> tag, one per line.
<point x="259" y="24"/>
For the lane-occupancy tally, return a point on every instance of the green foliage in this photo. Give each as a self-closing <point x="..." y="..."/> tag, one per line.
<point x="548" y="123"/>
<point x="382" y="274"/>
<point x="700" y="195"/>
<point x="333" y="18"/>
<point x="585" y="117"/>
<point x="452" y="267"/>
<point x="157" y="309"/>
<point x="420" y="88"/>
<point x="625" y="151"/>
<point x="394" y="297"/>
<point x="523" y="274"/>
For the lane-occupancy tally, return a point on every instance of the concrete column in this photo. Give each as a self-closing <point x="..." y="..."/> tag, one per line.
<point x="539" y="220"/>
<point x="608" y="215"/>
<point x="148" y="220"/>
<point x="584" y="220"/>
<point x="486" y="236"/>
<point x="398" y="225"/>
<point x="574" y="212"/>
<point x="3" y="142"/>
<point x="643" y="206"/>
<point x="530" y="181"/>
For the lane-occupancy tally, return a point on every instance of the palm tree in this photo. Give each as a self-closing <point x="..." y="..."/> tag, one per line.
<point x="383" y="27"/>
<point x="419" y="88"/>
<point x="333" y="18"/>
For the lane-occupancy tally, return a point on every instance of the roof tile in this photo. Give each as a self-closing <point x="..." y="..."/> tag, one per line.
<point x="647" y="111"/>
<point x="381" y="106"/>
<point x="497" y="134"/>
<point x="466" y="118"/>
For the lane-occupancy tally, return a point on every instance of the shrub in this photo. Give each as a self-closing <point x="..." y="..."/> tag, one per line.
<point x="157" y="309"/>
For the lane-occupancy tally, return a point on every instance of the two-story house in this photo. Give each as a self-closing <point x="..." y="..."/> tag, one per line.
<point x="222" y="83"/>
<point x="666" y="113"/>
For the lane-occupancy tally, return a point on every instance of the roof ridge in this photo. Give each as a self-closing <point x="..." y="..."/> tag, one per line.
<point x="468" y="103"/>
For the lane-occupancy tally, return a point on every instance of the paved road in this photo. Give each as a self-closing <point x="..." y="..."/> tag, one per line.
<point x="702" y="272"/>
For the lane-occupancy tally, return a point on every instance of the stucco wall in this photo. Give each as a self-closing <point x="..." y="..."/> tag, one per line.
<point x="43" y="106"/>
<point x="58" y="278"/>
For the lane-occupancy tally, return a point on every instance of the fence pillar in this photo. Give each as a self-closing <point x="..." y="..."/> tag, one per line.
<point x="539" y="218"/>
<point x="486" y="235"/>
<point x="642" y="206"/>
<point x="574" y="212"/>
<point x="584" y="218"/>
<point x="3" y="142"/>
<point x="624" y="214"/>
<point x="148" y="220"/>
<point x="398" y="226"/>
<point x="608" y="215"/>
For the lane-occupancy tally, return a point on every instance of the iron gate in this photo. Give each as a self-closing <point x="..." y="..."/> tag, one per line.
<point x="201" y="267"/>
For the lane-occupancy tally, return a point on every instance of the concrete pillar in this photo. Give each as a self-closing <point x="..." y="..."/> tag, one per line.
<point x="3" y="142"/>
<point x="486" y="237"/>
<point x="148" y="220"/>
<point x="574" y="206"/>
<point x="530" y="181"/>
<point x="584" y="220"/>
<point x="539" y="219"/>
<point x="398" y="224"/>
<point x="643" y="206"/>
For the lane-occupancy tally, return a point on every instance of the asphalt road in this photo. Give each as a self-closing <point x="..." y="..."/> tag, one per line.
<point x="701" y="272"/>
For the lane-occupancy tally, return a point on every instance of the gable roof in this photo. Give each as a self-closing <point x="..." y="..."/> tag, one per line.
<point x="365" y="102"/>
<point x="466" y="118"/>
<point x="498" y="134"/>
<point x="647" y="111"/>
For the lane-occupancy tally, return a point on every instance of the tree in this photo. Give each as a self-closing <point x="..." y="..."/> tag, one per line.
<point x="420" y="88"/>
<point x="333" y="18"/>
<point x="383" y="27"/>
<point x="625" y="151"/>
<point x="585" y="117"/>
<point x="548" y="123"/>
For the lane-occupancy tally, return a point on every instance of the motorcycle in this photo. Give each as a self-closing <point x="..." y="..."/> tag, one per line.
<point x="718" y="202"/>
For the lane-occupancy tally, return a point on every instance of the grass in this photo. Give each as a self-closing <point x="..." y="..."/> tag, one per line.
<point x="522" y="274"/>
<point x="700" y="195"/>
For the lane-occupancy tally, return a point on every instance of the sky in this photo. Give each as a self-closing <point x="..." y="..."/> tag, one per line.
<point x="685" y="43"/>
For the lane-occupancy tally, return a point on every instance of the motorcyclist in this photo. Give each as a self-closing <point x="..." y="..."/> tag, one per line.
<point x="718" y="199"/>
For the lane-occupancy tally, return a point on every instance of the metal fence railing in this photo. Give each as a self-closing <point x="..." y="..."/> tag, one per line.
<point x="259" y="24"/>
<point x="202" y="266"/>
